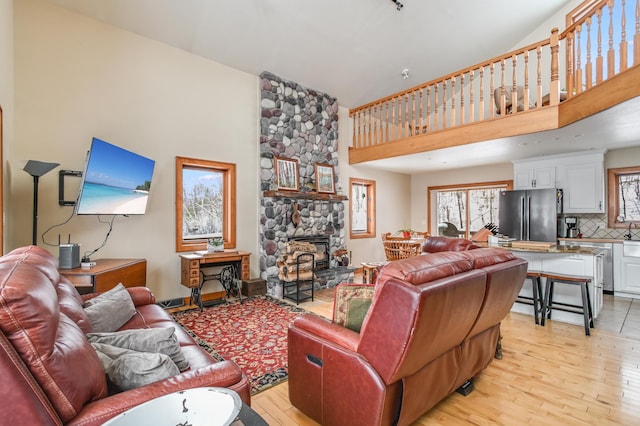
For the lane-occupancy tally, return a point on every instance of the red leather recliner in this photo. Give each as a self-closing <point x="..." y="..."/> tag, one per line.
<point x="434" y="323"/>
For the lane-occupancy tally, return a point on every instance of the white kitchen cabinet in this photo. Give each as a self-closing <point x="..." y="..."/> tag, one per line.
<point x="581" y="176"/>
<point x="583" y="188"/>
<point x="626" y="271"/>
<point x="534" y="175"/>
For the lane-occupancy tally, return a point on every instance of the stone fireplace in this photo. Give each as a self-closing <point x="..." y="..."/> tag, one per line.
<point x="301" y="124"/>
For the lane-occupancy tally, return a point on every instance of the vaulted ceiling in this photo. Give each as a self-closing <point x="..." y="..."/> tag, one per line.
<point x="356" y="51"/>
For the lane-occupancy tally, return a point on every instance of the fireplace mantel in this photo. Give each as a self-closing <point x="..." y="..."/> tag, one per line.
<point x="304" y="195"/>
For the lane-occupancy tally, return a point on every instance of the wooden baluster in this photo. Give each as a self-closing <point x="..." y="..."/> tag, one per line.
<point x="492" y="90"/>
<point x="636" y="36"/>
<point x="472" y="110"/>
<point x="354" y="141"/>
<point x="405" y="118"/>
<point x="378" y="112"/>
<point x="570" y="69"/>
<point x="623" y="39"/>
<point x="452" y="122"/>
<point x="578" y="73"/>
<point x="420" y="106"/>
<point x="436" y="112"/>
<point x="363" y="128"/>
<point x="611" y="54"/>
<point x="393" y="119"/>
<point x="398" y="117"/>
<point x="503" y="97"/>
<point x="462" y="106"/>
<point x="406" y="115"/>
<point x="382" y="122"/>
<point x="481" y="112"/>
<point x="539" y="77"/>
<point x="374" y="130"/>
<point x="588" y="66"/>
<point x="428" y="107"/>
<point x="526" y="81"/>
<point x="599" y="59"/>
<point x="413" y="114"/>
<point x="385" y="122"/>
<point x="444" y="104"/>
<point x="367" y="130"/>
<point x="554" y="88"/>
<point x="514" y="87"/>
<point x="380" y="138"/>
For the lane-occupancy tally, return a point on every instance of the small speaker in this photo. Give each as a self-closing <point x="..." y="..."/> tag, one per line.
<point x="69" y="256"/>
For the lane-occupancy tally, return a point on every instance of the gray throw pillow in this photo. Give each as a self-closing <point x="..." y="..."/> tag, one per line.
<point x="161" y="340"/>
<point x="110" y="310"/>
<point x="128" y="369"/>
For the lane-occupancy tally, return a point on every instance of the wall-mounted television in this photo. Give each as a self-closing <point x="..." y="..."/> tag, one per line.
<point x="115" y="181"/>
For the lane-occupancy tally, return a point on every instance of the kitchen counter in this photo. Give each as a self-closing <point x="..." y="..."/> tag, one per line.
<point x="591" y="240"/>
<point x="554" y="249"/>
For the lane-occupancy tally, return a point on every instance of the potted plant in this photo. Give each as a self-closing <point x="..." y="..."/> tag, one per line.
<point x="406" y="232"/>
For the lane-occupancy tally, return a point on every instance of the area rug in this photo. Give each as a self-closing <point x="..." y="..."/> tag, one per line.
<point x="252" y="333"/>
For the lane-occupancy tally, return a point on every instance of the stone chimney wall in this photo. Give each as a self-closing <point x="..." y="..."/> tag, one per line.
<point x="298" y="123"/>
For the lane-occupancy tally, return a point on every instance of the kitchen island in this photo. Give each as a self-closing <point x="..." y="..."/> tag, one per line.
<point x="584" y="261"/>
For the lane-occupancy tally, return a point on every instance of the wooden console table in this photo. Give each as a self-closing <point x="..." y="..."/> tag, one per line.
<point x="107" y="273"/>
<point x="192" y="277"/>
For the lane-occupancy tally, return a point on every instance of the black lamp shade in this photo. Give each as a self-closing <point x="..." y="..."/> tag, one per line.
<point x="37" y="169"/>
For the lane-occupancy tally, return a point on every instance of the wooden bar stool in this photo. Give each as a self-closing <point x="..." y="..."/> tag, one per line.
<point x="549" y="304"/>
<point x="536" y="299"/>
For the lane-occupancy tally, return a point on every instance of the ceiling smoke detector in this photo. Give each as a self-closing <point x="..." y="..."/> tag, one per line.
<point x="399" y="5"/>
<point x="405" y="74"/>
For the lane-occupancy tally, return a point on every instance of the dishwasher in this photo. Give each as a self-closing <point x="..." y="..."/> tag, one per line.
<point x="607" y="264"/>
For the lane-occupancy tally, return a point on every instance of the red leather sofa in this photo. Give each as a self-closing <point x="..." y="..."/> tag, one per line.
<point x="433" y="324"/>
<point x="49" y="372"/>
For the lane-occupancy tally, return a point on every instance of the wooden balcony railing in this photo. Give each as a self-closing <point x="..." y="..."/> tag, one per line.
<point x="519" y="81"/>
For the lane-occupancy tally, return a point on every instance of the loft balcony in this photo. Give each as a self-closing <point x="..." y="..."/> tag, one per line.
<point x="591" y="66"/>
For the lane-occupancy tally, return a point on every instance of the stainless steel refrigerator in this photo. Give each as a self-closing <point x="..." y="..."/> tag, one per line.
<point x="530" y="215"/>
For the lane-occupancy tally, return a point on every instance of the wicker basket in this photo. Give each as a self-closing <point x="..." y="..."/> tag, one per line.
<point x="401" y="249"/>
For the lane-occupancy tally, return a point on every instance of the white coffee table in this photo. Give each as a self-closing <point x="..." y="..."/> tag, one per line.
<point x="198" y="406"/>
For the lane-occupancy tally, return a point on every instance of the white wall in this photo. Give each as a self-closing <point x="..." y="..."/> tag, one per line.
<point x="76" y="78"/>
<point x="626" y="157"/>
<point x="6" y="96"/>
<point x="393" y="198"/>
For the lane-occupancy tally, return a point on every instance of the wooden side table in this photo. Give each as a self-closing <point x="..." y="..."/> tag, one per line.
<point x="106" y="274"/>
<point x="368" y="269"/>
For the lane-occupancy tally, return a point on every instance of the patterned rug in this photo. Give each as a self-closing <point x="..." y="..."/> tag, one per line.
<point x="253" y="334"/>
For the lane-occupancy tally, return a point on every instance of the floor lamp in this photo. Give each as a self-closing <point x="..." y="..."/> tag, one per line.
<point x="37" y="169"/>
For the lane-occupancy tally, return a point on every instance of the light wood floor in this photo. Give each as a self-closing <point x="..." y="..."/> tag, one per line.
<point x="549" y="375"/>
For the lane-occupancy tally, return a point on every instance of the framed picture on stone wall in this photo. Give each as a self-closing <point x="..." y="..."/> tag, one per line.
<point x="324" y="179"/>
<point x="287" y="174"/>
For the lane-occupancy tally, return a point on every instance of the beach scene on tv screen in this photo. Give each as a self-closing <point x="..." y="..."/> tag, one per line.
<point x="117" y="181"/>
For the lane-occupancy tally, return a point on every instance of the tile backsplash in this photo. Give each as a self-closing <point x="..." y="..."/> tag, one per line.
<point x="595" y="226"/>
